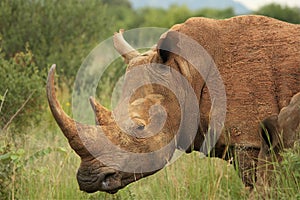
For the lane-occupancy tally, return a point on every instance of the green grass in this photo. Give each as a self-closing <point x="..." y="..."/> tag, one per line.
<point x="52" y="175"/>
<point x="51" y="165"/>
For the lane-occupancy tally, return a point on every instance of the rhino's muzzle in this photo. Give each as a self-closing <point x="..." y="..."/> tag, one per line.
<point x="108" y="181"/>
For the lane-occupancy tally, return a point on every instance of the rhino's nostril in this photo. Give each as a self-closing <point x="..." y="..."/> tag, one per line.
<point x="108" y="177"/>
<point x="111" y="182"/>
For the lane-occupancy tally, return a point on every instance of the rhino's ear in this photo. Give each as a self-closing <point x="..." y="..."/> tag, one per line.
<point x="269" y="131"/>
<point x="167" y="45"/>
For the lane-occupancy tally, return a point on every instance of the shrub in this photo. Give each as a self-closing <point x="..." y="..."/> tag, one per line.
<point x="284" y="13"/>
<point x="10" y="164"/>
<point x="23" y="88"/>
<point x="60" y="32"/>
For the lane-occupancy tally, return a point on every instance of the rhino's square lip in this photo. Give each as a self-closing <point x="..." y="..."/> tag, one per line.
<point x="127" y="179"/>
<point x="124" y="182"/>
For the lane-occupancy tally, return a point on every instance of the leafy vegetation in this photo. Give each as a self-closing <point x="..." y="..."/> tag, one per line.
<point x="22" y="89"/>
<point x="57" y="31"/>
<point x="283" y="13"/>
<point x="36" y="33"/>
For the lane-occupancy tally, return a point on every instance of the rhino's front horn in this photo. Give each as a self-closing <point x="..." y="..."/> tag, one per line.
<point x="127" y="51"/>
<point x="69" y="127"/>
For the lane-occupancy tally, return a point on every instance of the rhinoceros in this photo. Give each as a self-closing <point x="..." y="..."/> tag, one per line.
<point x="278" y="131"/>
<point x="258" y="61"/>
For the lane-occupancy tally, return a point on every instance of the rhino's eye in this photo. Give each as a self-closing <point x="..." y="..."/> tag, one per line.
<point x="141" y="127"/>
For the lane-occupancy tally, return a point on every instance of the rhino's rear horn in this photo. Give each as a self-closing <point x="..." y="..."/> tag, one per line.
<point x="127" y="51"/>
<point x="102" y="115"/>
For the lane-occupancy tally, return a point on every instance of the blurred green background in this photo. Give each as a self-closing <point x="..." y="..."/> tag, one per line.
<point x="35" y="159"/>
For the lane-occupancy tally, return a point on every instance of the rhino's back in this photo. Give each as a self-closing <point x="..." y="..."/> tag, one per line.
<point x="259" y="60"/>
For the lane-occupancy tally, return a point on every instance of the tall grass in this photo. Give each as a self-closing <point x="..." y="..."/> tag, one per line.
<point x="44" y="167"/>
<point x="53" y="176"/>
<point x="50" y="173"/>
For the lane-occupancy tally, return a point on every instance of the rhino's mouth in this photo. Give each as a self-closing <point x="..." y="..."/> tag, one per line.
<point x="110" y="181"/>
<point x="114" y="182"/>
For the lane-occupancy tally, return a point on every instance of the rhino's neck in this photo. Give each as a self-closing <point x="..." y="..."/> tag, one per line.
<point x="192" y="134"/>
<point x="199" y="84"/>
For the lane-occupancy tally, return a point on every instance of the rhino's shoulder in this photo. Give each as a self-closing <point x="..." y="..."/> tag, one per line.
<point x="243" y="20"/>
